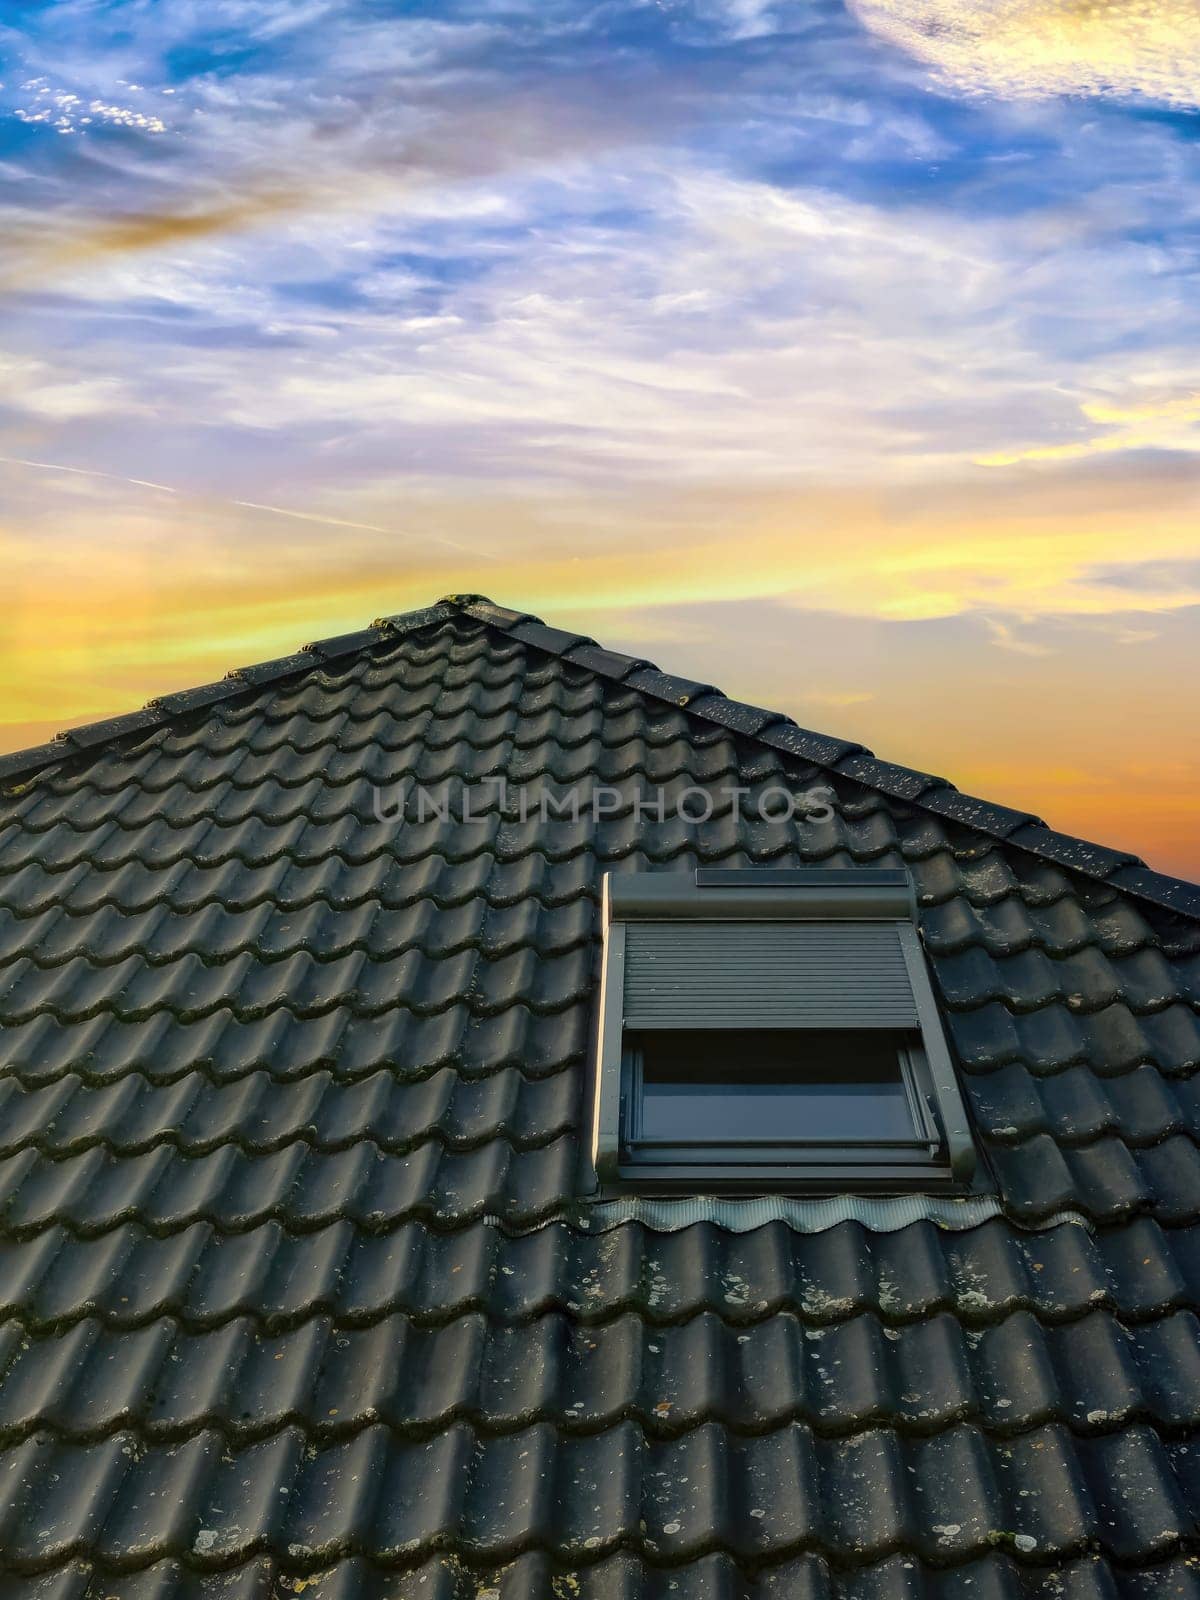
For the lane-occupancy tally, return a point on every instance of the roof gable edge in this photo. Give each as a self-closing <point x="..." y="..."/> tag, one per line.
<point x="20" y="765"/>
<point x="1118" y="870"/>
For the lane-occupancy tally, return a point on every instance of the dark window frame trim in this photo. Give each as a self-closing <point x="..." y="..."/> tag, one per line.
<point x="870" y="895"/>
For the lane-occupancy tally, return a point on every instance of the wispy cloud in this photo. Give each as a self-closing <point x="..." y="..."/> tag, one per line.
<point x="1147" y="580"/>
<point x="652" y="317"/>
<point x="34" y="253"/>
<point x="1036" y="48"/>
<point x="1139" y="424"/>
<point x="422" y="539"/>
<point x="1006" y="637"/>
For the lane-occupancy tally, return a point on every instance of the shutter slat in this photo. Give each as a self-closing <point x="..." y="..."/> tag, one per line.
<point x="766" y="975"/>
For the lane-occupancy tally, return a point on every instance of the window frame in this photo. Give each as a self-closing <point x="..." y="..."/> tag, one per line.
<point x="872" y="1161"/>
<point x="946" y="1162"/>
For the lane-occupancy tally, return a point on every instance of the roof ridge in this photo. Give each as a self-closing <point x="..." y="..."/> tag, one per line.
<point x="157" y="713"/>
<point x="1118" y="870"/>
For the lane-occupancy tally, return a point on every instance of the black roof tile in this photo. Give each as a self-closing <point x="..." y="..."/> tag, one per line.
<point x="533" y="1575"/>
<point x="605" y="663"/>
<point x="94" y="733"/>
<point x="260" y="672"/>
<point x="818" y="747"/>
<point x="485" y="610"/>
<point x="1094" y="859"/>
<point x="345" y="644"/>
<point x="557" y="641"/>
<point x="735" y="714"/>
<point x="413" y="621"/>
<point x="1170" y="892"/>
<point x="166" y="1381"/>
<point x="356" y="1275"/>
<point x="999" y="820"/>
<point x="665" y="686"/>
<point x="293" y="1287"/>
<point x="903" y="782"/>
<point x="20" y="762"/>
<point x="952" y="1497"/>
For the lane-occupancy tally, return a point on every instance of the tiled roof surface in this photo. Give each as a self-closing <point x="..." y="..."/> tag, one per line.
<point x="297" y="1294"/>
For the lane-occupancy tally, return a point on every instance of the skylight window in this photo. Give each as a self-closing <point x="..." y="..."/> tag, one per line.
<point x="772" y="1030"/>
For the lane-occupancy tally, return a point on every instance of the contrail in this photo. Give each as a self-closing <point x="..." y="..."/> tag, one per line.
<point x="251" y="505"/>
<point x="365" y="527"/>
<point x="85" y="472"/>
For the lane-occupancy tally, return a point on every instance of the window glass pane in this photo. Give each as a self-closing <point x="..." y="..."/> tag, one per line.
<point x="773" y="1087"/>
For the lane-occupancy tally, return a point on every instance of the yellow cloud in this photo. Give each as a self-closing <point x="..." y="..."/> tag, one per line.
<point x="837" y="699"/>
<point x="1076" y="450"/>
<point x="1036" y="48"/>
<point x="1141" y="425"/>
<point x="1183" y="408"/>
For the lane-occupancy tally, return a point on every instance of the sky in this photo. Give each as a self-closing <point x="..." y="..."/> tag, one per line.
<point x="842" y="353"/>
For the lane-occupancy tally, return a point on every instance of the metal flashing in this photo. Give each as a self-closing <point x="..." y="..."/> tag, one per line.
<point x="786" y="894"/>
<point x="817" y="1214"/>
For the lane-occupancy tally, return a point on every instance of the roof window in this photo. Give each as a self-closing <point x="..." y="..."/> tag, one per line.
<point x="772" y="1029"/>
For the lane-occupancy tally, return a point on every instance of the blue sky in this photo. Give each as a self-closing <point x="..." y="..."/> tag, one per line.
<point x="865" y="329"/>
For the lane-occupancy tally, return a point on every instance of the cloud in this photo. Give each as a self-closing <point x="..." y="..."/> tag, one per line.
<point x="1183" y="408"/>
<point x="475" y="273"/>
<point x="34" y="253"/>
<point x="727" y="327"/>
<point x="245" y="505"/>
<point x="1168" y="424"/>
<point x="1148" y="579"/>
<point x="838" y="699"/>
<point x="69" y="113"/>
<point x="817" y="371"/>
<point x="361" y="114"/>
<point x="739" y="19"/>
<point x="1005" y="637"/>
<point x="54" y="394"/>
<point x="1038" y="48"/>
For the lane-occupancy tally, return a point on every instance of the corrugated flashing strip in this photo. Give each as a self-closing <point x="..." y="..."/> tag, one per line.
<point x="881" y="1214"/>
<point x="878" y="1214"/>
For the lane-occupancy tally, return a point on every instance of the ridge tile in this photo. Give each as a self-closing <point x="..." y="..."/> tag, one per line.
<point x="94" y="733"/>
<point x="666" y="686"/>
<point x="903" y="782"/>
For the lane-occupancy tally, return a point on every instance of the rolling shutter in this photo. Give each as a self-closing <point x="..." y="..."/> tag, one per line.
<point x="766" y="975"/>
<point x="771" y="947"/>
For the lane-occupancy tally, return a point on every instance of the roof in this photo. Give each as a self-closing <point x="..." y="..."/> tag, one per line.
<point x="298" y="1292"/>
